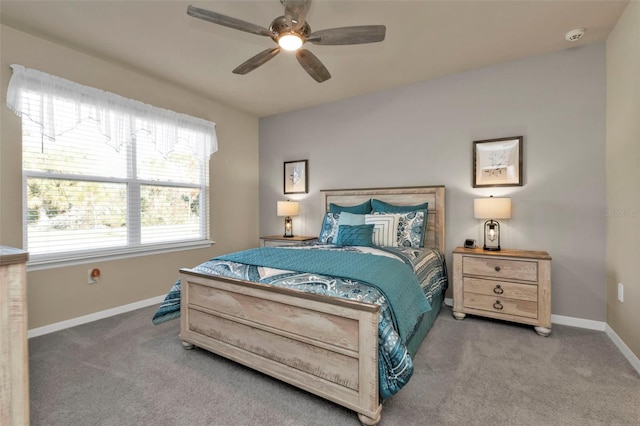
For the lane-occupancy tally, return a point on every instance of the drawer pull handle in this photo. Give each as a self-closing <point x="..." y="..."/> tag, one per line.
<point x="497" y="305"/>
<point x="497" y="268"/>
<point x="498" y="289"/>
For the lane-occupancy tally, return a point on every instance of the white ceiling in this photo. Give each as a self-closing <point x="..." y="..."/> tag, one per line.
<point x="425" y="39"/>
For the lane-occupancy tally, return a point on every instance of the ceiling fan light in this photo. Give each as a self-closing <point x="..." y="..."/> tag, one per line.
<point x="290" y="41"/>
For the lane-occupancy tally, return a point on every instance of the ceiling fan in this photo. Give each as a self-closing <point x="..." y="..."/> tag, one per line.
<point x="290" y="32"/>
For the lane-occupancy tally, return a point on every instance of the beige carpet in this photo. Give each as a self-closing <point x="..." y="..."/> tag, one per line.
<point x="126" y="371"/>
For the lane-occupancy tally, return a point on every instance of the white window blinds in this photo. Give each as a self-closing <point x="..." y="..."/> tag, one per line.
<point x="107" y="175"/>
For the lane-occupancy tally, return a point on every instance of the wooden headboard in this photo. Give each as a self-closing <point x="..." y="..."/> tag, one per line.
<point x="434" y="195"/>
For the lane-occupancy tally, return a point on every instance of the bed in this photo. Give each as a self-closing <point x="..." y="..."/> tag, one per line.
<point x="329" y="346"/>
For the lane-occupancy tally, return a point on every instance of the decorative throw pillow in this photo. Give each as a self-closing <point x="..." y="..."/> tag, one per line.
<point x="347" y="218"/>
<point x="355" y="235"/>
<point x="411" y="228"/>
<point x="329" y="229"/>
<point x="364" y="208"/>
<point x="384" y="207"/>
<point x="385" y="230"/>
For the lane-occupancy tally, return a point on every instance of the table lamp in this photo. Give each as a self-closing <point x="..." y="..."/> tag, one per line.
<point x="288" y="209"/>
<point x="492" y="208"/>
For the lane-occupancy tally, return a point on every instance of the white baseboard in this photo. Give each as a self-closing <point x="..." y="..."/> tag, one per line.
<point x="630" y="356"/>
<point x="35" y="332"/>
<point x="578" y="322"/>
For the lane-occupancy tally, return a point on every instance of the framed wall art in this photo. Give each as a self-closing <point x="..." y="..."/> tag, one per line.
<point x="295" y="177"/>
<point x="497" y="162"/>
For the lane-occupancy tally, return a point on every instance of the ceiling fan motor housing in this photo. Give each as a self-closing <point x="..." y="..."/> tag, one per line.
<point x="279" y="26"/>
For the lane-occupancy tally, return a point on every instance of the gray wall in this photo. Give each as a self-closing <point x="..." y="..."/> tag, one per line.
<point x="422" y="135"/>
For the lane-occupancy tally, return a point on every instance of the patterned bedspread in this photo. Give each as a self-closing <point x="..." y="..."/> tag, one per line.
<point x="395" y="364"/>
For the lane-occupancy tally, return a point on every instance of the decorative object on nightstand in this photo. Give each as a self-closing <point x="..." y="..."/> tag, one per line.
<point x="492" y="208"/>
<point x="511" y="285"/>
<point x="279" y="240"/>
<point x="288" y="209"/>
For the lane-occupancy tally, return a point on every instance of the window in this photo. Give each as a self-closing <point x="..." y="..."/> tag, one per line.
<point x="104" y="175"/>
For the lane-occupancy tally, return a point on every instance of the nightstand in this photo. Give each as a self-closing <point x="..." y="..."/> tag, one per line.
<point x="510" y="285"/>
<point x="279" y="240"/>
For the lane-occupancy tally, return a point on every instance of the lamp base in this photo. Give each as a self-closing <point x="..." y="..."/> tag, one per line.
<point x="288" y="227"/>
<point x="491" y="235"/>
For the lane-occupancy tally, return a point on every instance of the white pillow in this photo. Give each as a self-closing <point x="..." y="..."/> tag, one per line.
<point x="385" y="229"/>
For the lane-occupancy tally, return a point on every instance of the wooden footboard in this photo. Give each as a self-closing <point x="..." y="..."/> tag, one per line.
<point x="327" y="346"/>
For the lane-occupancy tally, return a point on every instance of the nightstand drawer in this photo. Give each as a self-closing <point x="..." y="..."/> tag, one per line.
<point x="501" y="289"/>
<point x="500" y="268"/>
<point x="501" y="305"/>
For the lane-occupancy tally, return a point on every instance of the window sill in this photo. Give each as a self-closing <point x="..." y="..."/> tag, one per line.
<point x="49" y="262"/>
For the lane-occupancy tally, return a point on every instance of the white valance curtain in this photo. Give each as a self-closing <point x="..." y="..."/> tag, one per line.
<point x="35" y="94"/>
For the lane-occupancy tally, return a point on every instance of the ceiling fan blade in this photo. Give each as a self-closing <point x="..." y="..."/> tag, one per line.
<point x="296" y="11"/>
<point x="255" y="61"/>
<point x="349" y="35"/>
<point x="227" y="21"/>
<point x="312" y="65"/>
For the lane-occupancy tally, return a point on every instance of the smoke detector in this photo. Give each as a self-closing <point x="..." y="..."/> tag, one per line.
<point x="574" y="35"/>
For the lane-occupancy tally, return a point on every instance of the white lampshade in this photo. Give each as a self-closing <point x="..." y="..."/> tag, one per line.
<point x="288" y="208"/>
<point x="492" y="208"/>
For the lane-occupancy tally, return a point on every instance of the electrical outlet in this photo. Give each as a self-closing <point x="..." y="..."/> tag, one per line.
<point x="93" y="276"/>
<point x="620" y="292"/>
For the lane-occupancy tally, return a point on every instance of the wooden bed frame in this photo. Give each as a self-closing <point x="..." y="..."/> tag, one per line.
<point x="327" y="346"/>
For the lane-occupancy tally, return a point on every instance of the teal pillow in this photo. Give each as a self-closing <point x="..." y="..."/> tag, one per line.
<point x="382" y="207"/>
<point x="347" y="218"/>
<point x="355" y="235"/>
<point x="364" y="208"/>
